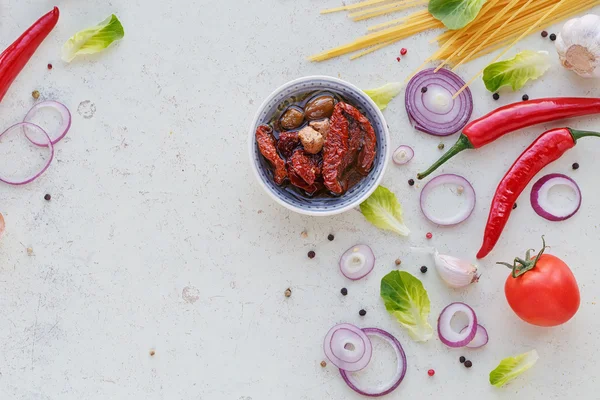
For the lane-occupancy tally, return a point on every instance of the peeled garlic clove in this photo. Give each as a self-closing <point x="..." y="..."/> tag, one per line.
<point x="578" y="46"/>
<point x="455" y="272"/>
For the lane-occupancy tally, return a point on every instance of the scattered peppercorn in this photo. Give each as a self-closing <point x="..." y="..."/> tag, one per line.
<point x="544" y="34"/>
<point x="152" y="353"/>
<point x="47" y="197"/>
<point x="553" y="37"/>
<point x="311" y="254"/>
<point x="304" y="234"/>
<point x="496" y="96"/>
<point x="330" y="237"/>
<point x="423" y="269"/>
<point x="35" y="94"/>
<point x="429" y="235"/>
<point x="344" y="291"/>
<point x="424" y="89"/>
<point x="575" y="165"/>
<point x="525" y="97"/>
<point x="514" y="206"/>
<point x="398" y="261"/>
<point x="462" y="359"/>
<point x="398" y="59"/>
<point x="431" y="372"/>
<point x="29" y="251"/>
<point x="468" y="364"/>
<point x="403" y="51"/>
<point x="49" y="66"/>
<point x="441" y="146"/>
<point x="362" y="313"/>
<point x="288" y="292"/>
<point x="323" y="364"/>
<point x="411" y="182"/>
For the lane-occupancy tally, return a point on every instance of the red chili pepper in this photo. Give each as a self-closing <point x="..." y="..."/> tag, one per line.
<point x="550" y="146"/>
<point x="513" y="117"/>
<point x="14" y="58"/>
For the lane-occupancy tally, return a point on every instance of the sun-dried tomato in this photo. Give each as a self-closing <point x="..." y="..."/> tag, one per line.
<point x="266" y="145"/>
<point x="335" y="150"/>
<point x="363" y="128"/>
<point x="307" y="166"/>
<point x="297" y="181"/>
<point x="287" y="142"/>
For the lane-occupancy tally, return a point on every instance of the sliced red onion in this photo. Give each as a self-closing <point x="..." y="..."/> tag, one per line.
<point x="481" y="337"/>
<point x="466" y="190"/>
<point x="430" y="105"/>
<point x="543" y="206"/>
<point x="449" y="336"/>
<point x="357" y="262"/>
<point x="400" y="371"/>
<point x="403" y="155"/>
<point x="63" y="128"/>
<point x="27" y="130"/>
<point x="348" y="347"/>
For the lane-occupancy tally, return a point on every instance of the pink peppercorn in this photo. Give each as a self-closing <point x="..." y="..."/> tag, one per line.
<point x="49" y="66"/>
<point x="431" y="372"/>
<point x="398" y="59"/>
<point x="403" y="51"/>
<point x="429" y="235"/>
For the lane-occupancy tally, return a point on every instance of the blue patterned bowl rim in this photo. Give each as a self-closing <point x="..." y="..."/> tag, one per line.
<point x="357" y="194"/>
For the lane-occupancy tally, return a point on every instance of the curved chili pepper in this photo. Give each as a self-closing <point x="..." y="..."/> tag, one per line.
<point x="513" y="117"/>
<point x="14" y="58"/>
<point x="550" y="146"/>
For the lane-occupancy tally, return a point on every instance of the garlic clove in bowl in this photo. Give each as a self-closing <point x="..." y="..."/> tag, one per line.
<point x="578" y="46"/>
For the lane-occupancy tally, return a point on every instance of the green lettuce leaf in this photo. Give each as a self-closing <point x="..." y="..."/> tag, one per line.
<point x="407" y="300"/>
<point x="94" y="39"/>
<point x="384" y="94"/>
<point x="511" y="367"/>
<point x="383" y="210"/>
<point x="517" y="71"/>
<point x="455" y="14"/>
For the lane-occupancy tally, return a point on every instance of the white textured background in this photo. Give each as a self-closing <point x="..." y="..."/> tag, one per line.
<point x="157" y="236"/>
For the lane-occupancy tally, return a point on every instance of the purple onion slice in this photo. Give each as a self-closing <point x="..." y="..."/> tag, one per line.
<point x="541" y="203"/>
<point x="348" y="347"/>
<point x="449" y="336"/>
<point x="357" y="262"/>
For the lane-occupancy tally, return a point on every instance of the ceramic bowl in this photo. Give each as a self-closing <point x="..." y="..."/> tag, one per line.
<point x="331" y="205"/>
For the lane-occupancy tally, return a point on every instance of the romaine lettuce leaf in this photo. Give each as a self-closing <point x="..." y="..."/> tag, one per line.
<point x="517" y="71"/>
<point x="511" y="367"/>
<point x="384" y="94"/>
<point x="455" y="14"/>
<point x="94" y="39"/>
<point x="383" y="210"/>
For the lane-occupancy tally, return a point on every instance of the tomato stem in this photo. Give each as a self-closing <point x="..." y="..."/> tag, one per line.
<point x="520" y="266"/>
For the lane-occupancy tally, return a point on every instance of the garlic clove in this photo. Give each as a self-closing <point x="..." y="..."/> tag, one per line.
<point x="457" y="273"/>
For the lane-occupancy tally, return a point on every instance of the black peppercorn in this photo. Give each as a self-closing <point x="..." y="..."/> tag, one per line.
<point x="525" y="97"/>
<point x="544" y="34"/>
<point x="514" y="206"/>
<point x="362" y="313"/>
<point x="424" y="89"/>
<point x="462" y="359"/>
<point x="496" y="96"/>
<point x="423" y="269"/>
<point x="468" y="364"/>
<point x="330" y="237"/>
<point x="47" y="197"/>
<point x="553" y="37"/>
<point x="344" y="291"/>
<point x="411" y="182"/>
<point x="575" y="165"/>
<point x="311" y="254"/>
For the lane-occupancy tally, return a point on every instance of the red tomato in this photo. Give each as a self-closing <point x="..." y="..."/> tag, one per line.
<point x="546" y="295"/>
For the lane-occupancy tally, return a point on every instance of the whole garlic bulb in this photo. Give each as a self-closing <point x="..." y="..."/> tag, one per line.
<point x="578" y="46"/>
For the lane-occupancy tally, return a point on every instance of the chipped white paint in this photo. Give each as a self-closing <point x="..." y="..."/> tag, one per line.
<point x="153" y="193"/>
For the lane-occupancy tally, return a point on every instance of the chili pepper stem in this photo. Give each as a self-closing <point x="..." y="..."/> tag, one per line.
<point x="521" y="266"/>
<point x="463" y="143"/>
<point x="581" y="134"/>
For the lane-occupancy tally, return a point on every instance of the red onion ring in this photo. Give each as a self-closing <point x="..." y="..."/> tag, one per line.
<point x="400" y="371"/>
<point x="481" y="337"/>
<point x="468" y="192"/>
<point x="403" y="155"/>
<point x="48" y="144"/>
<point x="357" y="262"/>
<point x="539" y="197"/>
<point x="65" y="115"/>
<point x="348" y="347"/>
<point x="449" y="336"/>
<point x="433" y="111"/>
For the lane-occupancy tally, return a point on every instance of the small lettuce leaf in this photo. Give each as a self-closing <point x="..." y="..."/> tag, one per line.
<point x="407" y="300"/>
<point x="512" y="367"/>
<point x="383" y="210"/>
<point x="94" y="39"/>
<point x="384" y="94"/>
<point x="517" y="71"/>
<point x="455" y="14"/>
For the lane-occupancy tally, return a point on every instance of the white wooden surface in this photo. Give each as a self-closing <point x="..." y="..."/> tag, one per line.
<point x="158" y="238"/>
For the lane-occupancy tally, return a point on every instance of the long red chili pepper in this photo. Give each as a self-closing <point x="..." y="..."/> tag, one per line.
<point x="550" y="146"/>
<point x="14" y="58"/>
<point x="513" y="117"/>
